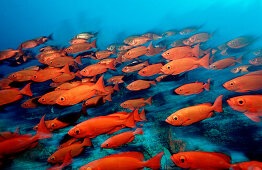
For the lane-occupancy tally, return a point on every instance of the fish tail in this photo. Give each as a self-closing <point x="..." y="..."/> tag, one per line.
<point x="116" y="87"/>
<point x="149" y="100"/>
<point x="142" y="115"/>
<point x="87" y="142"/>
<point x="67" y="160"/>
<point x="27" y="90"/>
<point x="218" y="104"/>
<point x="153" y="82"/>
<point x="204" y="62"/>
<point x="65" y="69"/>
<point x="93" y="44"/>
<point x="78" y="60"/>
<point x="78" y="74"/>
<point x="195" y="50"/>
<point x="136" y="115"/>
<point x="50" y="37"/>
<point x="211" y="60"/>
<point x="138" y="131"/>
<point x="42" y="131"/>
<point x="108" y="98"/>
<point x="146" y="63"/>
<point x="99" y="86"/>
<point x="155" y="162"/>
<point x="130" y="120"/>
<point x="239" y="60"/>
<point x="207" y="85"/>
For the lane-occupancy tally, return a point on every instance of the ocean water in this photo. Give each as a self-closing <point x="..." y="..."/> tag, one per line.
<point x="229" y="132"/>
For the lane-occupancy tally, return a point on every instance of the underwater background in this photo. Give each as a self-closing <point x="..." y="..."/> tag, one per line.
<point x="229" y="132"/>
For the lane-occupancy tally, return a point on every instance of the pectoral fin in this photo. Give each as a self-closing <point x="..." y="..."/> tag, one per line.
<point x="252" y="116"/>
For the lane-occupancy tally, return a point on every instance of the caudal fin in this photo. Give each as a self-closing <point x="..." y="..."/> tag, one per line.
<point x="207" y="85"/>
<point x="129" y="121"/>
<point x="204" y="62"/>
<point x="99" y="86"/>
<point x="42" y="131"/>
<point x="87" y="142"/>
<point x="239" y="60"/>
<point x="78" y="74"/>
<point x="218" y="104"/>
<point x="155" y="162"/>
<point x="108" y="98"/>
<point x="142" y="115"/>
<point x="111" y="65"/>
<point x="93" y="44"/>
<point x="67" y="161"/>
<point x="27" y="90"/>
<point x="149" y="100"/>
<point x="78" y="60"/>
<point x="65" y="69"/>
<point x="116" y="87"/>
<point x="195" y="50"/>
<point x="138" y="131"/>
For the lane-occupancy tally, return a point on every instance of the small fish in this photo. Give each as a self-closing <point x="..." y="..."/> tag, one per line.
<point x="51" y="97"/>
<point x="169" y="33"/>
<point x="152" y="36"/>
<point x="4" y="83"/>
<point x="251" y="165"/>
<point x="23" y="75"/>
<point x="197" y="38"/>
<point x="77" y="48"/>
<point x="251" y="105"/>
<point x="239" y="42"/>
<point x="125" y="160"/>
<point x="121" y="139"/>
<point x="194" y="160"/>
<point x="67" y="86"/>
<point x="8" y="135"/>
<point x="154" y="51"/>
<point x="135" y="103"/>
<point x="240" y="69"/>
<point x="192" y="114"/>
<point x="85" y="35"/>
<point x="64" y="77"/>
<point x="139" y="66"/>
<point x="67" y="143"/>
<point x="77" y="41"/>
<point x="192" y="88"/>
<point x="257" y="61"/>
<point x="136" y="52"/>
<point x="160" y="78"/>
<point x="189" y="30"/>
<point x="95" y="69"/>
<point x="8" y="54"/>
<point x="140" y="85"/>
<point x="35" y="42"/>
<point x="103" y="54"/>
<point x="136" y="41"/>
<point x="67" y="161"/>
<point x="30" y="103"/>
<point x="181" y="52"/>
<point x="108" y="61"/>
<point x="246" y="83"/>
<point x="62" y="61"/>
<point x="151" y="70"/>
<point x="178" y="43"/>
<point x="116" y="79"/>
<point x="224" y="63"/>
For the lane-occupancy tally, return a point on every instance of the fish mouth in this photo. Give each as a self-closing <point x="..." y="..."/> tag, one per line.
<point x="168" y="121"/>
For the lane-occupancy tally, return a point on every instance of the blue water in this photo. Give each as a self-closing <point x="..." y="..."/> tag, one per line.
<point x="229" y="132"/>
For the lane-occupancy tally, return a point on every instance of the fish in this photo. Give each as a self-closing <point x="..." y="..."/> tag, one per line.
<point x="62" y="61"/>
<point x="30" y="103"/>
<point x="95" y="69"/>
<point x="5" y="82"/>
<point x="103" y="54"/>
<point x="13" y="94"/>
<point x="194" y="160"/>
<point x="8" y="53"/>
<point x="224" y="63"/>
<point x="75" y="149"/>
<point x="178" y="43"/>
<point x="67" y="143"/>
<point x="34" y="42"/>
<point x="136" y="52"/>
<point x="189" y="30"/>
<point x="185" y="64"/>
<point x="193" y="114"/>
<point x="135" y="103"/>
<point x="85" y="35"/>
<point x="80" y="93"/>
<point x="151" y="70"/>
<point x="246" y="83"/>
<point x="121" y="139"/>
<point x="154" y="50"/>
<point x="23" y="75"/>
<point x="23" y="142"/>
<point x="133" y="68"/>
<point x="140" y="85"/>
<point x="136" y="41"/>
<point x="197" y="38"/>
<point x="108" y="90"/>
<point x="51" y="97"/>
<point x="102" y="125"/>
<point x="125" y="160"/>
<point x="46" y="56"/>
<point x="53" y="125"/>
<point x="241" y="69"/>
<point x="67" y="85"/>
<point x="169" y="33"/>
<point x="77" y="48"/>
<point x="251" y="165"/>
<point x="251" y="105"/>
<point x="160" y="78"/>
<point x="8" y="135"/>
<point x="257" y="61"/>
<point x="49" y="73"/>
<point x="116" y="79"/>
<point x="152" y="36"/>
<point x="181" y="52"/>
<point x="192" y="88"/>
<point x="64" y="77"/>
<point x="67" y="161"/>
<point x="239" y="42"/>
<point x="77" y="41"/>
<point x="108" y="61"/>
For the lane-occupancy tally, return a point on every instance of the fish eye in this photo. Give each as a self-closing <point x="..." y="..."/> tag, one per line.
<point x="240" y="101"/>
<point x="51" y="62"/>
<point x="143" y="71"/>
<point x="77" y="131"/>
<point x="128" y="53"/>
<point x="168" y="67"/>
<point x="84" y="71"/>
<point x="180" y="89"/>
<point x="53" y="124"/>
<point x="167" y="53"/>
<point x="36" y="127"/>
<point x="231" y="84"/>
<point x="35" y="76"/>
<point x="182" y="159"/>
<point x="62" y="98"/>
<point x="107" y="144"/>
<point x="13" y="75"/>
<point x="52" y="158"/>
<point x="175" y="118"/>
<point x="43" y="99"/>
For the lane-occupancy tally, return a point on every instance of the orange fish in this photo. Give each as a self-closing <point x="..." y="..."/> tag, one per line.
<point x="46" y="56"/>
<point x="248" y="82"/>
<point x="121" y="139"/>
<point x="94" y="101"/>
<point x="35" y="42"/>
<point x="151" y="70"/>
<point x="49" y="73"/>
<point x="51" y="97"/>
<point x="67" y="143"/>
<point x="108" y="61"/>
<point x="189" y="30"/>
<point x="116" y="80"/>
<point x="23" y="75"/>
<point x="135" y="103"/>
<point x="8" y="54"/>
<point x="140" y="85"/>
<point x="103" y="54"/>
<point x="62" y="61"/>
<point x="80" y="93"/>
<point x="185" y="64"/>
<point x="75" y="149"/>
<point x="77" y="41"/>
<point x="152" y="36"/>
<point x="136" y="52"/>
<point x="125" y="160"/>
<point x="67" y="86"/>
<point x="197" y="38"/>
<point x="23" y="142"/>
<point x="192" y="88"/>
<point x="192" y="114"/>
<point x="194" y="160"/>
<point x="4" y="83"/>
<point x="8" y="135"/>
<point x="154" y="51"/>
<point x="251" y="105"/>
<point x="89" y="80"/>
<point x="64" y="77"/>
<point x="67" y="161"/>
<point x="14" y="94"/>
<point x="30" y="103"/>
<point x="240" y="69"/>
<point x="257" y="61"/>
<point x="77" y="48"/>
<point x="130" y="69"/>
<point x="95" y="69"/>
<point x="102" y="125"/>
<point x="108" y="90"/>
<point x="136" y="41"/>
<point x="181" y="52"/>
<point x="239" y="42"/>
<point x="160" y="78"/>
<point x="224" y="63"/>
<point x="178" y="43"/>
<point x="169" y="33"/>
<point x="252" y="165"/>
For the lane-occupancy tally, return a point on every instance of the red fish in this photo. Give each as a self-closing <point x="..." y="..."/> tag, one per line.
<point x="121" y="139"/>
<point x="51" y="97"/>
<point x="181" y="52"/>
<point x="130" y="69"/>
<point x="64" y="77"/>
<point x="192" y="88"/>
<point x="252" y="165"/>
<point x="67" y="161"/>
<point x="248" y="82"/>
<point x="14" y="94"/>
<point x="4" y="83"/>
<point x="95" y="69"/>
<point x="136" y="41"/>
<point x="8" y="54"/>
<point x="240" y="69"/>
<point x="154" y="51"/>
<point x="185" y="64"/>
<point x="8" y="135"/>
<point x="197" y="38"/>
<point x="103" y="54"/>
<point x="30" y="103"/>
<point x="224" y="63"/>
<point x="80" y="47"/>
<point x="62" y="61"/>
<point x="23" y="142"/>
<point x="140" y="85"/>
<point x="136" y="52"/>
<point x="67" y="86"/>
<point x="77" y="41"/>
<point x="116" y="80"/>
<point x="194" y="160"/>
<point x="35" y="42"/>
<point x="239" y="42"/>
<point x="23" y="75"/>
<point x="125" y="161"/>
<point x="192" y="114"/>
<point x="151" y="70"/>
<point x="135" y="103"/>
<point x="251" y="105"/>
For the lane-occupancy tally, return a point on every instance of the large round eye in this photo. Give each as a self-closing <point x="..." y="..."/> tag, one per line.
<point x="77" y="131"/>
<point x="143" y="72"/>
<point x="13" y="75"/>
<point x="167" y="53"/>
<point x="124" y="104"/>
<point x="168" y="67"/>
<point x="231" y="84"/>
<point x="62" y="98"/>
<point x="128" y="53"/>
<point x="51" y="62"/>
<point x="175" y="118"/>
<point x="53" y="124"/>
<point x="180" y="89"/>
<point x="84" y="71"/>
<point x="107" y="145"/>
<point x="35" y="76"/>
<point x="52" y="158"/>
<point x="43" y="99"/>
<point x="240" y="102"/>
<point x="182" y="159"/>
